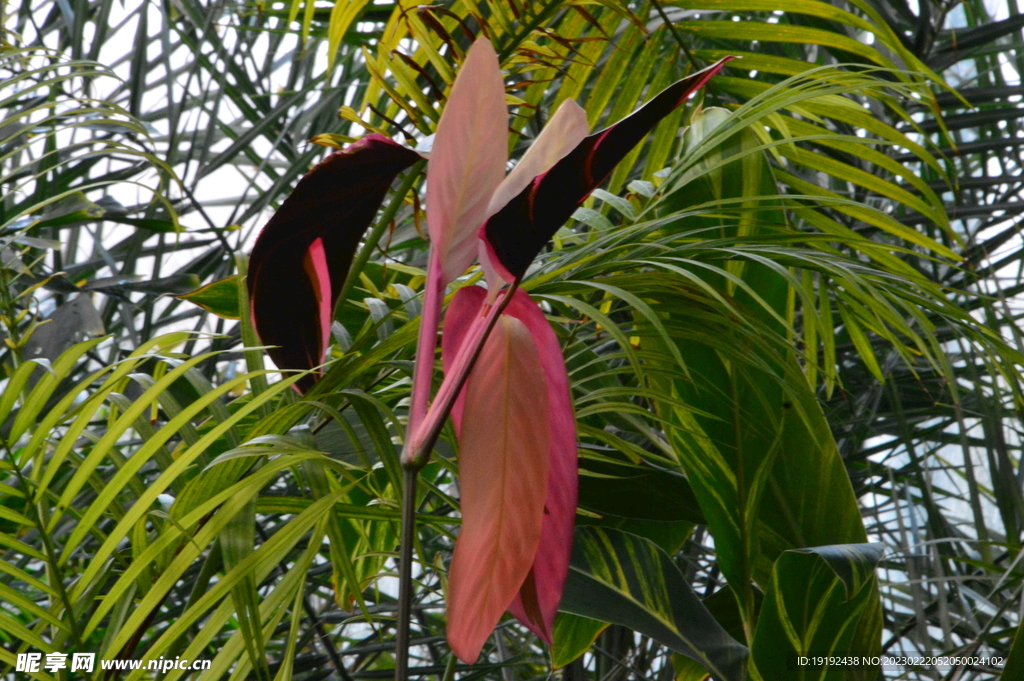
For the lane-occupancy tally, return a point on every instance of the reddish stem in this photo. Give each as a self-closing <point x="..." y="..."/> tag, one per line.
<point x="424" y="429"/>
<point x="420" y="440"/>
<point x="426" y="346"/>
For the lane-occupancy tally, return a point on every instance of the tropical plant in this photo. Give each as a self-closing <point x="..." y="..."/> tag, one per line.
<point x="801" y="236"/>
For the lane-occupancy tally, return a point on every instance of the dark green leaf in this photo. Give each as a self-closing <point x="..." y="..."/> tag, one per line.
<point x="641" y="492"/>
<point x="815" y="605"/>
<point x="624" y="579"/>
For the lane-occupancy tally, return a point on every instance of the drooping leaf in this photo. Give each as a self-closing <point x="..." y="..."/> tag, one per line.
<point x="335" y="202"/>
<point x="814" y="604"/>
<point x="503" y="473"/>
<point x="624" y="579"/>
<point x="759" y="454"/>
<point x="536" y="604"/>
<point x="520" y="229"/>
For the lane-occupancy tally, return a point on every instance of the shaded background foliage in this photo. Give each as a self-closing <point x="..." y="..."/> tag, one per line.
<point x="130" y="513"/>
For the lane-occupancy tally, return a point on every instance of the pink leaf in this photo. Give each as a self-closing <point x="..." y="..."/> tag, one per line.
<point x="537" y="609"/>
<point x="494" y="272"/>
<point x="537" y="602"/>
<point x="503" y="475"/>
<point x="468" y="160"/>
<point x="465" y="309"/>
<point x="315" y="264"/>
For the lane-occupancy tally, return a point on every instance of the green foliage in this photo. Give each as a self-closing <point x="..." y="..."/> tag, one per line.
<point x="814" y="604"/>
<point x="219" y="297"/>
<point x="1014" y="665"/>
<point x="626" y="579"/>
<point x="572" y="637"/>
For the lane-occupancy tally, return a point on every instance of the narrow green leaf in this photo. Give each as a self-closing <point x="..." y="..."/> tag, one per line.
<point x="344" y="13"/>
<point x="219" y="297"/>
<point x="1014" y="668"/>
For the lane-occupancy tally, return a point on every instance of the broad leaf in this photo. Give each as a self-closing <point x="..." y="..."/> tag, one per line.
<point x="467" y="161"/>
<point x="573" y="635"/>
<point x="334" y="203"/>
<point x="537" y="602"/>
<point x="637" y="491"/>
<point x="503" y="478"/>
<point x="752" y="440"/>
<point x="654" y="503"/>
<point x="815" y="603"/>
<point x="624" y="579"/>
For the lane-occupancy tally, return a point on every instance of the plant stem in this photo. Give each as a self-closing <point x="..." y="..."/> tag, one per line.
<point x="449" y="669"/>
<point x="421" y="443"/>
<point x="426" y="346"/>
<point x="405" y="590"/>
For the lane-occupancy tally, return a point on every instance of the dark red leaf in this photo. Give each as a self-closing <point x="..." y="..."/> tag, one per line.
<point x="520" y="230"/>
<point x="334" y="203"/>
